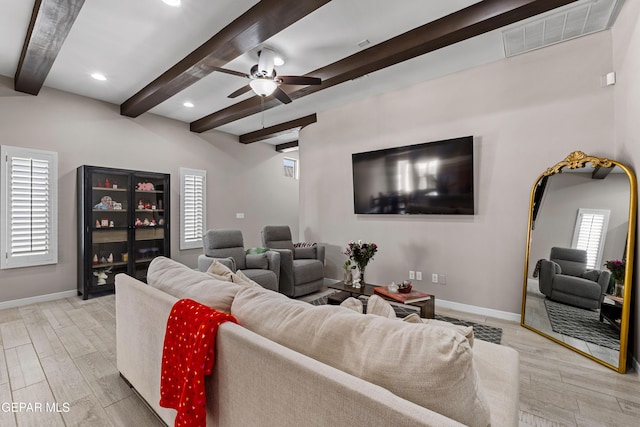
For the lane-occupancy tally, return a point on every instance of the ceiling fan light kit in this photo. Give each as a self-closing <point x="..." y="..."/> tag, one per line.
<point x="263" y="86"/>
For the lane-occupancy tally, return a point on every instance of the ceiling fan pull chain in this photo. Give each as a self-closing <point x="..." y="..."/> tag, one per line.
<point x="262" y="108"/>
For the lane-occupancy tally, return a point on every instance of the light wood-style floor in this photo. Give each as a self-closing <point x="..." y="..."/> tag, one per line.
<point x="64" y="352"/>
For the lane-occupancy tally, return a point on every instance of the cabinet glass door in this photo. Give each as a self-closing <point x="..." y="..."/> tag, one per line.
<point x="150" y="224"/>
<point x="110" y="224"/>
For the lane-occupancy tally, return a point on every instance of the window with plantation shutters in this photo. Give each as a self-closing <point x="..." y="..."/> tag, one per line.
<point x="28" y="207"/>
<point x="589" y="234"/>
<point x="192" y="207"/>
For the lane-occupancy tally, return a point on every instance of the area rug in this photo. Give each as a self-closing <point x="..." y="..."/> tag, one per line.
<point x="582" y="324"/>
<point x="482" y="332"/>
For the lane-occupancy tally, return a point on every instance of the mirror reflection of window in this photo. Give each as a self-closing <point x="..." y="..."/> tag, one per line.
<point x="590" y="233"/>
<point x="404" y="176"/>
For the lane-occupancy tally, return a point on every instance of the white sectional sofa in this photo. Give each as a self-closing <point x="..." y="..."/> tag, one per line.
<point x="289" y="363"/>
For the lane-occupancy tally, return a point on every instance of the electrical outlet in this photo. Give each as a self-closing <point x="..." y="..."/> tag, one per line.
<point x="418" y="275"/>
<point x="412" y="275"/>
<point x="434" y="278"/>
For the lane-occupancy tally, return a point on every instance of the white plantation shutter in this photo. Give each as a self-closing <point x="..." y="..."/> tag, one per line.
<point x="589" y="234"/>
<point x="192" y="207"/>
<point x="29" y="208"/>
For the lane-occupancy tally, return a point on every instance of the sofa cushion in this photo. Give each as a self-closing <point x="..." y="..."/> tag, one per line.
<point x="307" y="270"/>
<point x="257" y="261"/>
<point x="182" y="282"/>
<point x="591" y="275"/>
<point x="431" y="366"/>
<point x="306" y="253"/>
<point x="242" y="279"/>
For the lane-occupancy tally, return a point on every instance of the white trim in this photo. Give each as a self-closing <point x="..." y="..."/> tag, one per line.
<point x="635" y="365"/>
<point x="498" y="314"/>
<point x="37" y="299"/>
<point x="198" y="175"/>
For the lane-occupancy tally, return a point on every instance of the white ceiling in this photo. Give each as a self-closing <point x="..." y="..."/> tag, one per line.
<point x="133" y="42"/>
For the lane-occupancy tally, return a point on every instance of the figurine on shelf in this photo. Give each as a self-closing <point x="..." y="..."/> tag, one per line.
<point x="99" y="184"/>
<point x="111" y="224"/>
<point x="153" y="221"/>
<point x="140" y="205"/>
<point x="110" y="259"/>
<point x="147" y="205"/>
<point x="107" y="184"/>
<point x="97" y="224"/>
<point x="161" y="221"/>
<point x="95" y="261"/>
<point x="105" y="203"/>
<point x="138" y="222"/>
<point x="145" y="186"/>
<point x="146" y="222"/>
<point x="102" y="275"/>
<point x="103" y="260"/>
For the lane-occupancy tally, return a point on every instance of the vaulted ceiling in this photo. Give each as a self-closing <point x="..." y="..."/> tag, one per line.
<point x="157" y="57"/>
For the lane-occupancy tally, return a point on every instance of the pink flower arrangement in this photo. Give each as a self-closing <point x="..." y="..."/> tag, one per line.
<point x="361" y="253"/>
<point x="616" y="267"/>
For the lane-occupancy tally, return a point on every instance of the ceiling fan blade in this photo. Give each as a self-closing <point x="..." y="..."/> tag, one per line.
<point x="300" y="80"/>
<point x="282" y="96"/>
<point x="232" y="72"/>
<point x="241" y="91"/>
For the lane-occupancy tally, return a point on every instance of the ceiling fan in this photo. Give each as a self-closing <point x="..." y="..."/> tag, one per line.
<point x="264" y="81"/>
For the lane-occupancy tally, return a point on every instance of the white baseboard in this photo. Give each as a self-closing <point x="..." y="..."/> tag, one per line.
<point x="514" y="317"/>
<point x="40" y="298"/>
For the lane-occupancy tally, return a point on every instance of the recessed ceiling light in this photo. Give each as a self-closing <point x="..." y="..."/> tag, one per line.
<point x="98" y="76"/>
<point x="174" y="3"/>
<point x="188" y="104"/>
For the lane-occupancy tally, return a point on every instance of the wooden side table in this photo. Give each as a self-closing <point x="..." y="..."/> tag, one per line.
<point x="427" y="308"/>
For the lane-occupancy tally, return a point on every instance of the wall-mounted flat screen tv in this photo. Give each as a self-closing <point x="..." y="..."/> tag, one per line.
<point x="430" y="178"/>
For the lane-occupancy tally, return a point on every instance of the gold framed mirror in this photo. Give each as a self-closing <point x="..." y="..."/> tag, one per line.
<point x="579" y="257"/>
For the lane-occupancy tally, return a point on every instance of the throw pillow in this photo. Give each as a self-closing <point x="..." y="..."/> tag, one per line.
<point x="241" y="279"/>
<point x="256" y="251"/>
<point x="467" y="331"/>
<point x="430" y="366"/>
<point x="304" y="244"/>
<point x="257" y="261"/>
<point x="353" y="304"/>
<point x="182" y="282"/>
<point x="379" y="307"/>
<point x="219" y="268"/>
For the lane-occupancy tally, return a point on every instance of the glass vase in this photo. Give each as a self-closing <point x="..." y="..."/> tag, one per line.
<point x="619" y="290"/>
<point x="361" y="269"/>
<point x="348" y="276"/>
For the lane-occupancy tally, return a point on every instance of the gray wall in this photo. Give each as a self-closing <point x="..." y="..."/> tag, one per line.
<point x="526" y="113"/>
<point x="240" y="178"/>
<point x="626" y="63"/>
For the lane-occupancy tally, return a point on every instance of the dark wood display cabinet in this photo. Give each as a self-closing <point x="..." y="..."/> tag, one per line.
<point x="123" y="223"/>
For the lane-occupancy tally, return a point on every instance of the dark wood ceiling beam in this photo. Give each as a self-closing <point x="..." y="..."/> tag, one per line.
<point x="261" y="22"/>
<point x="286" y="146"/>
<point x="477" y="19"/>
<point x="51" y="21"/>
<point x="277" y="130"/>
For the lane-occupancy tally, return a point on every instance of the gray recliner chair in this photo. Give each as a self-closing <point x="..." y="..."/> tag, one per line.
<point x="227" y="246"/>
<point x="301" y="269"/>
<point x="565" y="278"/>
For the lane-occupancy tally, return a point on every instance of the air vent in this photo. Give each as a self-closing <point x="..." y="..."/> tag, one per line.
<point x="586" y="18"/>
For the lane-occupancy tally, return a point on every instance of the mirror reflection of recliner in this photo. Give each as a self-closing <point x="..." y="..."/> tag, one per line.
<point x="564" y="277"/>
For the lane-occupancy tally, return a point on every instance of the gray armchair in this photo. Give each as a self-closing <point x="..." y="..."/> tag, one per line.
<point x="227" y="246"/>
<point x="565" y="278"/>
<point x="301" y="269"/>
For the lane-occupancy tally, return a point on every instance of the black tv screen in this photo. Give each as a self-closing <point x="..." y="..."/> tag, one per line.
<point x="430" y="178"/>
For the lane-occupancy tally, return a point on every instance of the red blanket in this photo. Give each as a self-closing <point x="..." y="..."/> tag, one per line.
<point x="188" y="356"/>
